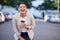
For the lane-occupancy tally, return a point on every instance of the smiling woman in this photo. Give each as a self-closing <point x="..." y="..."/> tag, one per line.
<point x="22" y="8"/>
<point x="23" y="23"/>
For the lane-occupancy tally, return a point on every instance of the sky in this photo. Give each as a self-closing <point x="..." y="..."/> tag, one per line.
<point x="37" y="2"/>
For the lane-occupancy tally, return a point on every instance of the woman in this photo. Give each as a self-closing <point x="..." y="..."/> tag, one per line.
<point x="23" y="23"/>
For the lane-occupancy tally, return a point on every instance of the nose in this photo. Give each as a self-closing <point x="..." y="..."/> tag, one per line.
<point x="22" y="8"/>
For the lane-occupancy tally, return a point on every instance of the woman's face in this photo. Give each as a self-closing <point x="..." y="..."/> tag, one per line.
<point x="22" y="8"/>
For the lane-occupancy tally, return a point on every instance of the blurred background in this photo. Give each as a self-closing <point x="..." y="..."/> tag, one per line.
<point x="40" y="8"/>
<point x="45" y="12"/>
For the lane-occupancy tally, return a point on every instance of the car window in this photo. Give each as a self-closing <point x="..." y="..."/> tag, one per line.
<point x="0" y="14"/>
<point x="59" y="16"/>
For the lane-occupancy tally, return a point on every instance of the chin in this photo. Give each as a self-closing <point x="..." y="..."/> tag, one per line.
<point x="22" y="12"/>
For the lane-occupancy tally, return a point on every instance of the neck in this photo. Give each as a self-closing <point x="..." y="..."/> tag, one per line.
<point x="23" y="15"/>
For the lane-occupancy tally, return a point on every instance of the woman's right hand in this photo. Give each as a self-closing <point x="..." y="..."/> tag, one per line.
<point x="21" y="38"/>
<point x="23" y="25"/>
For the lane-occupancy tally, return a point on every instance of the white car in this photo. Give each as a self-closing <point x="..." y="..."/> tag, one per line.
<point x="9" y="16"/>
<point x="54" y="18"/>
<point x="2" y="18"/>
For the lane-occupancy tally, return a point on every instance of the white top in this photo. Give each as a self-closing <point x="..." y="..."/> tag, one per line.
<point x="24" y="29"/>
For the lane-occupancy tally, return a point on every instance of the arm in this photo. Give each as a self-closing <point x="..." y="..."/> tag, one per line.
<point x="16" y="29"/>
<point x="15" y="26"/>
<point x="32" y="23"/>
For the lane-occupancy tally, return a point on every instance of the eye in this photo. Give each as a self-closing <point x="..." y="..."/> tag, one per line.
<point x="20" y="6"/>
<point x="23" y="6"/>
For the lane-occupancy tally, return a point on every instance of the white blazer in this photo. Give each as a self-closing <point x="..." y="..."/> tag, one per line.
<point x="16" y="25"/>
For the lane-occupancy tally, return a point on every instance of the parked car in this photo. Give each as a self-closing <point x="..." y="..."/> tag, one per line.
<point x="10" y="16"/>
<point x="6" y="17"/>
<point x="2" y="18"/>
<point x="54" y="18"/>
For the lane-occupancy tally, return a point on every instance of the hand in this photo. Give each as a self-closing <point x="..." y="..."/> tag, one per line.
<point x="23" y="25"/>
<point x="21" y="38"/>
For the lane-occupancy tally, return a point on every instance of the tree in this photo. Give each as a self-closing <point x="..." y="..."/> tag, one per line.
<point x="48" y="4"/>
<point x="55" y="4"/>
<point x="28" y="2"/>
<point x="15" y="2"/>
<point x="2" y="2"/>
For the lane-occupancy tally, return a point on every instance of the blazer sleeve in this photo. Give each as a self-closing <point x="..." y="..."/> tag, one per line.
<point x="32" y="22"/>
<point x="14" y="21"/>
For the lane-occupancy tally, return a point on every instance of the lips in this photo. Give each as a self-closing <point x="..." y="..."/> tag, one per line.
<point x="22" y="10"/>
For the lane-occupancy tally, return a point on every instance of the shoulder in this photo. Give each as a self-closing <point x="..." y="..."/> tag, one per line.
<point x="29" y="14"/>
<point x="15" y="16"/>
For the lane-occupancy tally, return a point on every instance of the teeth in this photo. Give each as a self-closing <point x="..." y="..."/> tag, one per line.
<point x="22" y="10"/>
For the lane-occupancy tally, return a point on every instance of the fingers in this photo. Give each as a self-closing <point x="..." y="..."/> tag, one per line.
<point x="21" y="38"/>
<point x="23" y="25"/>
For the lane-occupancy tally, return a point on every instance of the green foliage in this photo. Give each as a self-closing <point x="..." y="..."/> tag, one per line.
<point x="15" y="2"/>
<point x="1" y="1"/>
<point x="48" y="4"/>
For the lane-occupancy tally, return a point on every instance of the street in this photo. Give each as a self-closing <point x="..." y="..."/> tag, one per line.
<point x="42" y="31"/>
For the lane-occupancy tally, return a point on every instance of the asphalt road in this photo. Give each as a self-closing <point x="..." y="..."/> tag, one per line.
<point x="42" y="30"/>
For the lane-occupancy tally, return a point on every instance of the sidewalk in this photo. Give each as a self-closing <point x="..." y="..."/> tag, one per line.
<point x="40" y="20"/>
